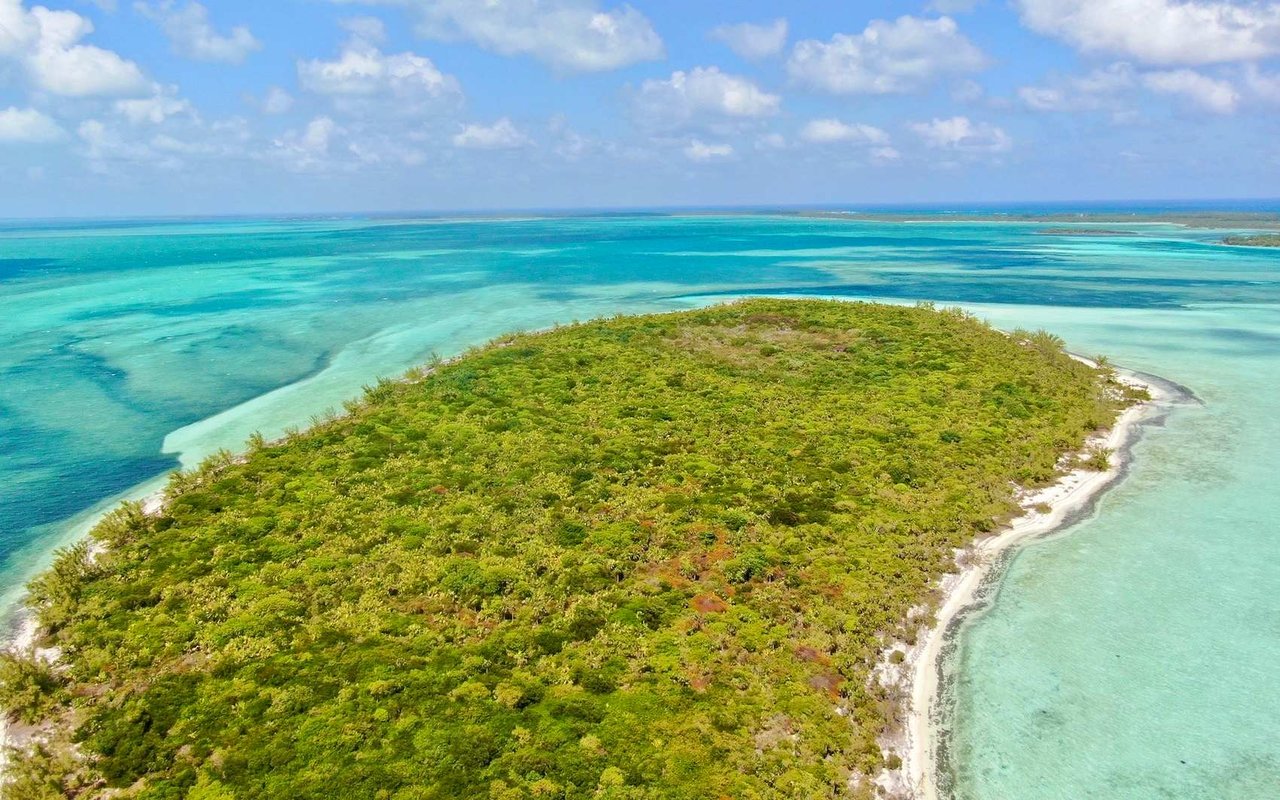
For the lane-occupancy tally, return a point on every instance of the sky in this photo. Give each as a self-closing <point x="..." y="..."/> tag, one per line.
<point x="177" y="107"/>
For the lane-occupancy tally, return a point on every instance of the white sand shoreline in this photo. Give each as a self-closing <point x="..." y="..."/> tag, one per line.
<point x="920" y="673"/>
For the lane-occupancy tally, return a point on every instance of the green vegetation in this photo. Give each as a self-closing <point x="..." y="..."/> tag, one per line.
<point x="1095" y="458"/>
<point x="1082" y="231"/>
<point x="647" y="557"/>
<point x="1262" y="240"/>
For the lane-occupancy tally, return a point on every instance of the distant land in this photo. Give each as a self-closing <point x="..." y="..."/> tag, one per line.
<point x="1262" y="220"/>
<point x="1265" y="240"/>
<point x="1084" y="231"/>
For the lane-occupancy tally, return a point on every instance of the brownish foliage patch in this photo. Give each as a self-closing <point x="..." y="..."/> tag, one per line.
<point x="828" y="682"/>
<point x="709" y="604"/>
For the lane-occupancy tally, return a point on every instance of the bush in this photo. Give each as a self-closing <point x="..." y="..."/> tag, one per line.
<point x="30" y="689"/>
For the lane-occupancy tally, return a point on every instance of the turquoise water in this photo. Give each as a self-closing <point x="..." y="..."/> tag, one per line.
<point x="1134" y="657"/>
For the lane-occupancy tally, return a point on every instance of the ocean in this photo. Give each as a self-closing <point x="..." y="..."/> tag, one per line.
<point x="1131" y="656"/>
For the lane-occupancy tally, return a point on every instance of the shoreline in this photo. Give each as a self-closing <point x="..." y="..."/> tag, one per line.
<point x="21" y="631"/>
<point x="922" y="674"/>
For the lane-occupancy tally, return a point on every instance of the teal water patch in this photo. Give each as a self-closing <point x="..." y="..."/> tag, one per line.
<point x="1133" y="657"/>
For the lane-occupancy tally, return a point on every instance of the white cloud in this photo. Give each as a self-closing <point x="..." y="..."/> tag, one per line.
<point x="18" y="28"/>
<point x="276" y="101"/>
<point x="362" y="69"/>
<point x="888" y="57"/>
<point x="27" y="125"/>
<point x="308" y="149"/>
<point x="1112" y="89"/>
<point x="501" y="135"/>
<point x="963" y="135"/>
<point x="193" y="35"/>
<point x="885" y="155"/>
<point x="46" y="46"/>
<point x="829" y="131"/>
<point x="1209" y="94"/>
<point x="1094" y="91"/>
<point x="566" y="142"/>
<point x="155" y="109"/>
<point x="1044" y="98"/>
<point x="698" y="150"/>
<point x="1262" y="84"/>
<point x="753" y="41"/>
<point x="165" y="134"/>
<point x="701" y="92"/>
<point x="104" y="144"/>
<point x="1165" y="32"/>
<point x="570" y="35"/>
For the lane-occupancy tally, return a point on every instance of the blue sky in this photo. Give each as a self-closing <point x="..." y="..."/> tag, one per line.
<point x="116" y="107"/>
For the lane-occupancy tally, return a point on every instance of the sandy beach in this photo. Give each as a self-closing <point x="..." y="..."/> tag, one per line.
<point x="919" y="673"/>
<point x="24" y="640"/>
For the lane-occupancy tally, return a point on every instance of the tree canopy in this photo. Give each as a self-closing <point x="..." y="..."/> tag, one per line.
<point x="643" y="557"/>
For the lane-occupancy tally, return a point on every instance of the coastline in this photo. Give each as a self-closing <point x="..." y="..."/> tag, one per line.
<point x="920" y="674"/>
<point x="21" y="631"/>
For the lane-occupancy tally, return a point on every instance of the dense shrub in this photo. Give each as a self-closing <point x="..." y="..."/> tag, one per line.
<point x="613" y="560"/>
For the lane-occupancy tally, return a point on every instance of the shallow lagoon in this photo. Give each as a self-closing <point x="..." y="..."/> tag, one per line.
<point x="1132" y="657"/>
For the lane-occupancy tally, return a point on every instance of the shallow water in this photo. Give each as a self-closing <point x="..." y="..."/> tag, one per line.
<point x="1133" y="657"/>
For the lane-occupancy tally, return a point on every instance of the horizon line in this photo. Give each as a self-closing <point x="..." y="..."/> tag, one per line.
<point x="1136" y="205"/>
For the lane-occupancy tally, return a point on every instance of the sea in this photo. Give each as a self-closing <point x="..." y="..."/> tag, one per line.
<point x="1134" y="655"/>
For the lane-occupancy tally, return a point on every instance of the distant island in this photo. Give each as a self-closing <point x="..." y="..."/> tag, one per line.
<point x="1083" y="231"/>
<point x="1263" y="220"/>
<point x="1262" y="240"/>
<point x="646" y="557"/>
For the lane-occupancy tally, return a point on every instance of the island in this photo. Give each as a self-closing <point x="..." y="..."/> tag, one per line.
<point x="1259" y="240"/>
<point x="1085" y="231"/>
<point x="658" y="556"/>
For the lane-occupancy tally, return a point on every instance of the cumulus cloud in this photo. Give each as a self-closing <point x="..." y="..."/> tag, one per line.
<point x="753" y="41"/>
<point x="192" y="33"/>
<point x="886" y="58"/>
<point x="963" y="135"/>
<point x="698" y="150"/>
<point x="1209" y="94"/>
<point x="569" y="35"/>
<point x="501" y="135"/>
<point x="47" y="47"/>
<point x="703" y="93"/>
<point x="27" y="125"/>
<point x="363" y="70"/>
<point x="1163" y="32"/>
<point x="830" y="131"/>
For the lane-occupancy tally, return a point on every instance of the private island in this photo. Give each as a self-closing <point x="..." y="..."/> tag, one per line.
<point x="667" y="556"/>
